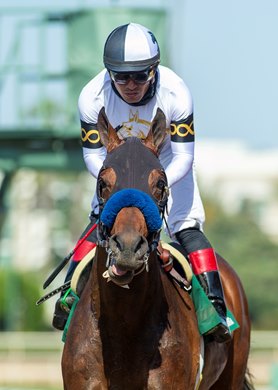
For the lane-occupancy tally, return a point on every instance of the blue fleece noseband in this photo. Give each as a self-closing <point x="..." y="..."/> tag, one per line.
<point x="131" y="198"/>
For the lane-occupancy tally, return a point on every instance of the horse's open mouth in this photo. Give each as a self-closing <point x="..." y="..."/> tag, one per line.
<point x="117" y="271"/>
<point x="120" y="276"/>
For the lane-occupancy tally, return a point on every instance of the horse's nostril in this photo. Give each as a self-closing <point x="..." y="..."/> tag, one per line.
<point x="140" y="245"/>
<point x="118" y="242"/>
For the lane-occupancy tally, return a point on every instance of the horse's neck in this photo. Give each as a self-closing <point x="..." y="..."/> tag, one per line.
<point x="143" y="302"/>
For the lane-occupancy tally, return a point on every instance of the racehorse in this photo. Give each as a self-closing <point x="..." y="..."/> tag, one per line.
<point x="134" y="328"/>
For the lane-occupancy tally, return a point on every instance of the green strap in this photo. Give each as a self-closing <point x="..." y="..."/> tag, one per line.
<point x="72" y="310"/>
<point x="63" y="299"/>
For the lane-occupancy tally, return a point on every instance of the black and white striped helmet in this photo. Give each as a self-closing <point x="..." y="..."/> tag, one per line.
<point x="131" y="48"/>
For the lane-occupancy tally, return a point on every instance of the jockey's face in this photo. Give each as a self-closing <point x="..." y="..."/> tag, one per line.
<point x="132" y="92"/>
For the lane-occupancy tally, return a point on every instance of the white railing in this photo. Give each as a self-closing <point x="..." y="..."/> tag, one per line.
<point x="52" y="341"/>
<point x="264" y="340"/>
<point x="31" y="341"/>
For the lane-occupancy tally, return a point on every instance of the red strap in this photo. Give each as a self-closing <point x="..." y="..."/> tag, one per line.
<point x="83" y="249"/>
<point x="203" y="260"/>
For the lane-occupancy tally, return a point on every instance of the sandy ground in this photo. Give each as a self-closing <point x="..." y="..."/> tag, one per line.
<point x="32" y="371"/>
<point x="42" y="372"/>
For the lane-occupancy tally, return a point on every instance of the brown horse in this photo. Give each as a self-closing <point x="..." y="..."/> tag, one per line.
<point x="139" y="330"/>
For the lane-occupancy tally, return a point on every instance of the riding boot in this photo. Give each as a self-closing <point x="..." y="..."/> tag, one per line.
<point x="61" y="311"/>
<point x="204" y="265"/>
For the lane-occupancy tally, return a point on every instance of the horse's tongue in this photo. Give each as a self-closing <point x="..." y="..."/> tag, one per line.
<point x="117" y="271"/>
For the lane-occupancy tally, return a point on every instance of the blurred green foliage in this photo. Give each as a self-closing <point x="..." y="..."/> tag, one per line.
<point x="18" y="292"/>
<point x="251" y="253"/>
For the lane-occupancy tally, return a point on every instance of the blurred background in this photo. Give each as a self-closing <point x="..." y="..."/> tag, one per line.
<point x="227" y="54"/>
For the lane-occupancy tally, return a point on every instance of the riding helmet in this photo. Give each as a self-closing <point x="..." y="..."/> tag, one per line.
<point x="131" y="48"/>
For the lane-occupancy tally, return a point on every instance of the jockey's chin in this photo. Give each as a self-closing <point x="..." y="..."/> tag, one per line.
<point x="132" y="92"/>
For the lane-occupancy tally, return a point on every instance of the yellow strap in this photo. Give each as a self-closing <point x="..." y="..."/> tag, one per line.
<point x="78" y="270"/>
<point x="180" y="258"/>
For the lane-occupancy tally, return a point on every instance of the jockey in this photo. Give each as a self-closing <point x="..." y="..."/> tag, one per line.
<point x="131" y="88"/>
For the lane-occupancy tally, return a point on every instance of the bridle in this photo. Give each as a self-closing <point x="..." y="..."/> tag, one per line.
<point x="132" y="163"/>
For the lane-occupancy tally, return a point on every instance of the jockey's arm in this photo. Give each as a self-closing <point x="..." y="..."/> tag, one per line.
<point x="181" y="163"/>
<point x="94" y="159"/>
<point x="182" y="145"/>
<point x="94" y="152"/>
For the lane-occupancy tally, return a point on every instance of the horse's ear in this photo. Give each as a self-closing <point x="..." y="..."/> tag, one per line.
<point x="157" y="132"/>
<point x="107" y="133"/>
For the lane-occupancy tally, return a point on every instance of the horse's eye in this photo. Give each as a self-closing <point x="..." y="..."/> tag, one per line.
<point x="106" y="182"/>
<point x="101" y="187"/>
<point x="161" y="184"/>
<point x="102" y="184"/>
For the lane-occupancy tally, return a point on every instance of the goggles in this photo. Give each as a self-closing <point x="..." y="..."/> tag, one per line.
<point x="138" y="78"/>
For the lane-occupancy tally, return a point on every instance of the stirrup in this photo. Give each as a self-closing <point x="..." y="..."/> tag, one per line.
<point x="221" y="332"/>
<point x="60" y="316"/>
<point x="62" y="310"/>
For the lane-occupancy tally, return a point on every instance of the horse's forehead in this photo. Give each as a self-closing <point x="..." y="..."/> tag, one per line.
<point x="132" y="163"/>
<point x="132" y="156"/>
